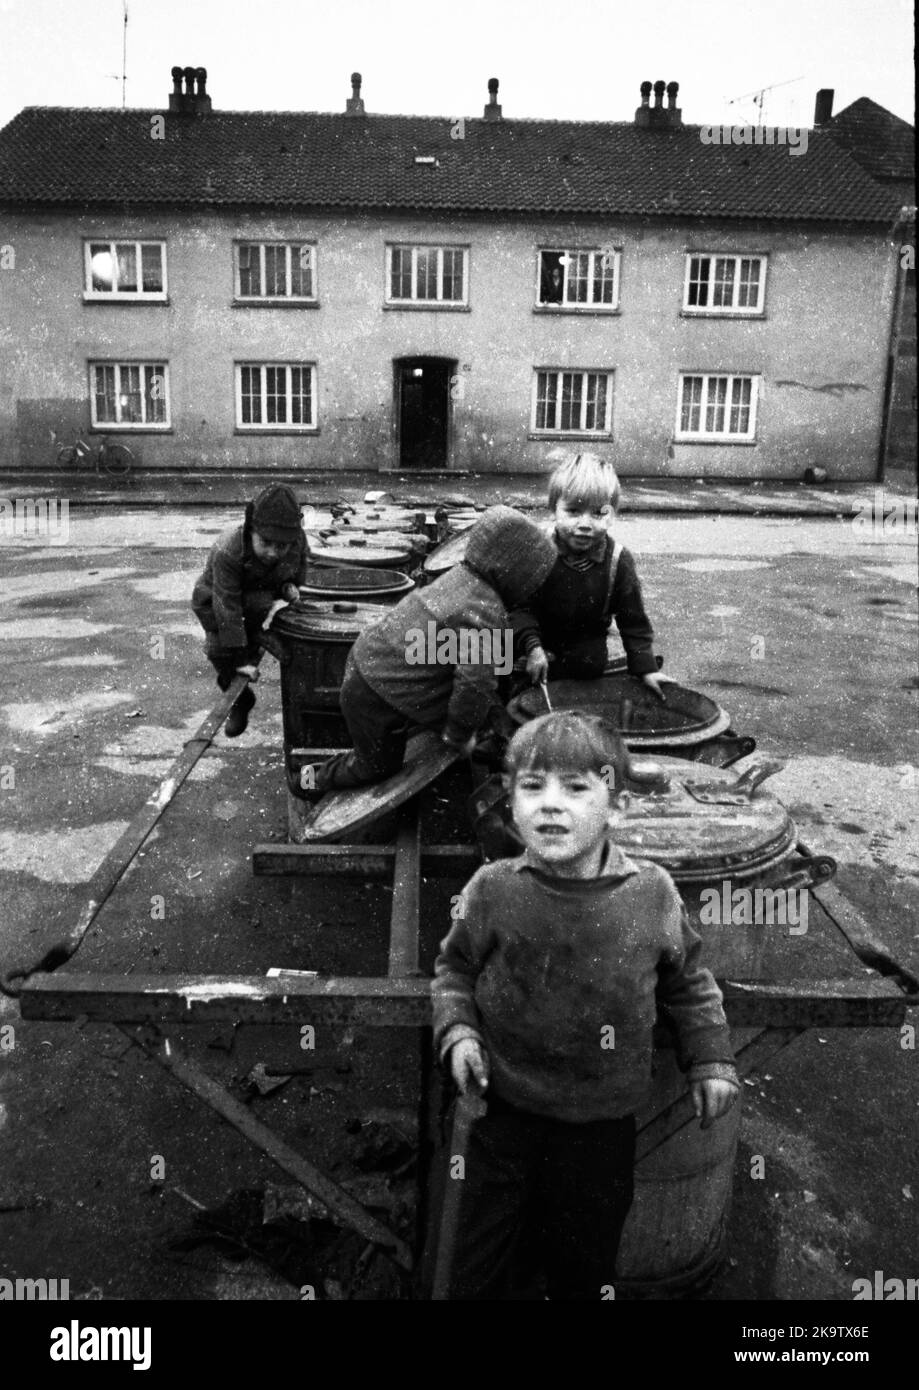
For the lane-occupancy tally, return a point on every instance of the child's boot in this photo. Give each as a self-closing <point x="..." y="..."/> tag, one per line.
<point x="238" y="719"/>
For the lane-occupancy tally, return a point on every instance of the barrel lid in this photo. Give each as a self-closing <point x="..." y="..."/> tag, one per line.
<point x="684" y="716"/>
<point x="699" y="841"/>
<point x="354" y="582"/>
<point x="329" y="621"/>
<point x="340" y="552"/>
<point x="446" y="555"/>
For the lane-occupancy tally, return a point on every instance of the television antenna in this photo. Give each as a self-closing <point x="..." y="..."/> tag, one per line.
<point x="759" y="97"/>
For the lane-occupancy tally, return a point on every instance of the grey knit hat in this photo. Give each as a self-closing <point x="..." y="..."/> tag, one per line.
<point x="511" y="553"/>
<point x="275" y="513"/>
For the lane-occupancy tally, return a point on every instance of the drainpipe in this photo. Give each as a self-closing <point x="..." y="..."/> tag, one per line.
<point x="906" y="220"/>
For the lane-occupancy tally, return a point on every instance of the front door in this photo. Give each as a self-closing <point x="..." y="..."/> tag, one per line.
<point x="423" y="402"/>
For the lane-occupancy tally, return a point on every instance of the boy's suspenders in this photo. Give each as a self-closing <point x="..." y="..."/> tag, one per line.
<point x="611" y="580"/>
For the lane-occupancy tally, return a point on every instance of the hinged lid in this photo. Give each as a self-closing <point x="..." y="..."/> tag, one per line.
<point x="334" y="621"/>
<point x="684" y="716"/>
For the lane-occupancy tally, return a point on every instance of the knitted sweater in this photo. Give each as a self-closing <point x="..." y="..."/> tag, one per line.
<point x="575" y="603"/>
<point x="235" y="583"/>
<point x="538" y="967"/>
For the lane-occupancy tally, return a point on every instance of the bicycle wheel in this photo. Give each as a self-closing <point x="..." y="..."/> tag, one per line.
<point x="116" y="458"/>
<point x="66" y="456"/>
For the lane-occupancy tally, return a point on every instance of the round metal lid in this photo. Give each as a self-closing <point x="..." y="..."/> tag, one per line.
<point x="334" y="621"/>
<point x="446" y="555"/>
<point x="706" y="826"/>
<point x="354" y="583"/>
<point x="684" y="717"/>
<point x="343" y="551"/>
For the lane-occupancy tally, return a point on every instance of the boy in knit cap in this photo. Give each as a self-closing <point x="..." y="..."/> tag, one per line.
<point x="249" y="568"/>
<point x="544" y="1001"/>
<point x="432" y="661"/>
<point x="593" y="581"/>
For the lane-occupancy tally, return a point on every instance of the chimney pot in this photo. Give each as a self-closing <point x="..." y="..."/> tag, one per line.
<point x="492" y="110"/>
<point x="672" y="89"/>
<point x="823" y="107"/>
<point x="354" y="106"/>
<point x="645" y="93"/>
<point x="659" y="93"/>
<point x="177" y="81"/>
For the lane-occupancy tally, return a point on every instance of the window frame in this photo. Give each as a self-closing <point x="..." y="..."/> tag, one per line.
<point x="733" y="310"/>
<point x="544" y="432"/>
<point x="717" y="437"/>
<point x="572" y="306"/>
<point x="129" y="426"/>
<point x="276" y="299"/>
<point x="264" y="426"/>
<point x="414" y="302"/>
<point x="138" y="296"/>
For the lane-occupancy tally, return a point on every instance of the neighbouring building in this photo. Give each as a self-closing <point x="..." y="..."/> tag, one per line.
<point x="303" y="290"/>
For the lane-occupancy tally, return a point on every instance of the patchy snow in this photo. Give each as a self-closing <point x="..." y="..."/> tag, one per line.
<point x="59" y="856"/>
<point x="44" y="717"/>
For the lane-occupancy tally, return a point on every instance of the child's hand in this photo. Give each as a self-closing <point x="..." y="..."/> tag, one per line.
<point x="276" y="607"/>
<point x="654" y="680"/>
<point x="711" y="1099"/>
<point x="469" y="1066"/>
<point x="538" y="665"/>
<point x="250" y="671"/>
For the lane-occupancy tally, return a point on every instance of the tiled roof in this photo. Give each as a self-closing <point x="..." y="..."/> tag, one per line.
<point x="59" y="155"/>
<point x="877" y="140"/>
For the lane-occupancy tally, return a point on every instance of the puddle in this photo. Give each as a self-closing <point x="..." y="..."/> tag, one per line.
<point x="59" y="856"/>
<point x="51" y="583"/>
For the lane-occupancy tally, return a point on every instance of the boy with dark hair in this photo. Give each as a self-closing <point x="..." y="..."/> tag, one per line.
<point x="594" y="580"/>
<point x="248" y="569"/>
<point x="550" y="954"/>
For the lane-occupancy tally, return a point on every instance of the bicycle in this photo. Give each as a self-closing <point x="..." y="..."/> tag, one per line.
<point x="116" y="459"/>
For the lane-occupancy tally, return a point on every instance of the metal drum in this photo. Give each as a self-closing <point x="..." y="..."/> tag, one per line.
<point x="355" y="583"/>
<point x="315" y="640"/>
<point x="672" y="726"/>
<point x="364" y="550"/>
<point x="445" y="556"/>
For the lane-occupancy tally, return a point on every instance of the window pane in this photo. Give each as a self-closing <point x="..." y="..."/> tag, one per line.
<point x="453" y="274"/>
<point x="301" y="393"/>
<point x="426" y="274"/>
<point x="723" y="296"/>
<point x="401" y="279"/>
<point x="577" y="282"/>
<point x="126" y="261"/>
<point x="250" y="276"/>
<point x="603" y="277"/>
<point x="276" y="395"/>
<point x="748" y="295"/>
<point x="102" y="266"/>
<point x="572" y="390"/>
<point x="301" y="271"/>
<point x="595" y="409"/>
<point x="699" y="268"/>
<point x="251" y="395"/>
<point x="714" y="408"/>
<point x="130" y="403"/>
<point x="276" y="271"/>
<point x="546" y="399"/>
<point x="105" y="395"/>
<point x="691" y="405"/>
<point x="741" y="392"/>
<point x="151" y="263"/>
<point x="551" y="277"/>
<point x="155" y="394"/>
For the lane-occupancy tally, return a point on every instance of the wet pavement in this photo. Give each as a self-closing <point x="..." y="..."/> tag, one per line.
<point x="803" y="627"/>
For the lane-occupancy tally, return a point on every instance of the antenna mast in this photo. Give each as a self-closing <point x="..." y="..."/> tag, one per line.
<point x="124" y="56"/>
<point x="759" y="97"/>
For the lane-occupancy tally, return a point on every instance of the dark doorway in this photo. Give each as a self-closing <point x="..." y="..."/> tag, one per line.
<point x="423" y="406"/>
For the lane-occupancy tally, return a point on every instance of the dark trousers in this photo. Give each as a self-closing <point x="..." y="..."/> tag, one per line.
<point x="563" y="1190"/>
<point x="379" y="734"/>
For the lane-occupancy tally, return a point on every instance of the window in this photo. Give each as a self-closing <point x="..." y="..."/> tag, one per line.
<point x="276" y="395"/>
<point x="124" y="270"/>
<point x="130" y="394"/>
<point x="725" y="284"/>
<point x="572" y="402"/>
<point x="426" y="274"/>
<point x="275" y="270"/>
<point x="717" y="407"/>
<point x="579" y="279"/>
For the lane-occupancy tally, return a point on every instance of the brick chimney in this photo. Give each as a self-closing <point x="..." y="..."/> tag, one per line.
<point x="823" y="107"/>
<point x="192" y="101"/>
<point x="492" y="111"/>
<point x="658" y="117"/>
<point x="354" y="106"/>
